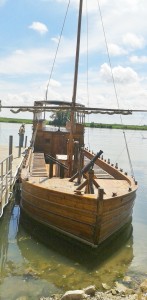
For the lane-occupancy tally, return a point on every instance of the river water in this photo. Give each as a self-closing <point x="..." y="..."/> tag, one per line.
<point x="35" y="263"/>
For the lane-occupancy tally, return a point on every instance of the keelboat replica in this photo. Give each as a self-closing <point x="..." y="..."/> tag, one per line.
<point x="68" y="188"/>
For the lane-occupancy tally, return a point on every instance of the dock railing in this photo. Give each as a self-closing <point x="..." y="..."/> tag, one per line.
<point x="6" y="181"/>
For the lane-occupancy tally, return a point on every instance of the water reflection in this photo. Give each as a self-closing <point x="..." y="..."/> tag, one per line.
<point x="4" y="233"/>
<point x="41" y="263"/>
<point x="17" y="278"/>
<point x="89" y="258"/>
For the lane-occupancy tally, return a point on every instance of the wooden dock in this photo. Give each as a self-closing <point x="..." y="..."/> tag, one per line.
<point x="9" y="165"/>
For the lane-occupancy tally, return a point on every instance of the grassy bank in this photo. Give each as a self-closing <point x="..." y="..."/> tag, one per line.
<point x="116" y="126"/>
<point x="91" y="125"/>
<point x="12" y="120"/>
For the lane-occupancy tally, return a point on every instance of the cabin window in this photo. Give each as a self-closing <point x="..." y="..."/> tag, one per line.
<point x="47" y="141"/>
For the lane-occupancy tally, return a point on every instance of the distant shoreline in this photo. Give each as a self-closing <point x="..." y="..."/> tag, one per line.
<point x="13" y="120"/>
<point x="91" y="125"/>
<point x="116" y="126"/>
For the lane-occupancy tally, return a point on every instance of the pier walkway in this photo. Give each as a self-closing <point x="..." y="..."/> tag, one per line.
<point x="8" y="170"/>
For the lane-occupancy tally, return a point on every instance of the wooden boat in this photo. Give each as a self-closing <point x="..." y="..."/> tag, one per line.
<point x="68" y="188"/>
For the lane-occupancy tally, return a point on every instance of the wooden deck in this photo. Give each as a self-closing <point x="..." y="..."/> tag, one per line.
<point x="39" y="177"/>
<point x="111" y="186"/>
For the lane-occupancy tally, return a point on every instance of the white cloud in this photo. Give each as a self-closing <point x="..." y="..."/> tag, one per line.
<point x="138" y="59"/>
<point x="133" y="41"/>
<point x="121" y="75"/>
<point x="55" y="83"/>
<point x="131" y="5"/>
<point x="30" y="61"/>
<point x="115" y="50"/>
<point x="21" y="98"/>
<point x="55" y="39"/>
<point x="39" y="27"/>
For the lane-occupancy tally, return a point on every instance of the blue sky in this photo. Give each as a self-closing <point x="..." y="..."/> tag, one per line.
<point x="29" y="32"/>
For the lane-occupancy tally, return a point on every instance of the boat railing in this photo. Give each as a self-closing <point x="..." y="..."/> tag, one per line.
<point x="6" y="181"/>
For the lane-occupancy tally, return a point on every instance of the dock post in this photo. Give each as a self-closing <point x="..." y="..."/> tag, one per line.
<point x="26" y="141"/>
<point x="10" y="156"/>
<point x="10" y="144"/>
<point x="7" y="182"/>
<point x="19" y="151"/>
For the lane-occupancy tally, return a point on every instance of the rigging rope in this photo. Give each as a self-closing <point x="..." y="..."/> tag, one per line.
<point x="114" y="85"/>
<point x="129" y="157"/>
<point x="46" y="93"/>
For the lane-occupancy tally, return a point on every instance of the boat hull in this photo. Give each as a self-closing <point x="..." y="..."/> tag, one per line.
<point x="82" y="217"/>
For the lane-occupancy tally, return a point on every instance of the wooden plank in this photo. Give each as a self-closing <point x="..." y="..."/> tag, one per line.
<point x="107" y="232"/>
<point x="76" y="228"/>
<point x="118" y="202"/>
<point x="108" y="168"/>
<point x="73" y="213"/>
<point x="77" y="201"/>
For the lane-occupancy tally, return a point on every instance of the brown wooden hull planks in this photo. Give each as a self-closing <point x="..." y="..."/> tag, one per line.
<point x="79" y="216"/>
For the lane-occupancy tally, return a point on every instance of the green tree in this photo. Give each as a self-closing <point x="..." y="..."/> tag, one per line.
<point x="60" y="117"/>
<point x="92" y="124"/>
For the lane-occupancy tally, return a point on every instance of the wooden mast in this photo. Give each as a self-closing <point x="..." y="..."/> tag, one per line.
<point x="70" y="146"/>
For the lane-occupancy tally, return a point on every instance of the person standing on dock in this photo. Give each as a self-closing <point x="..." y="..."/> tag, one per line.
<point x="21" y="135"/>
